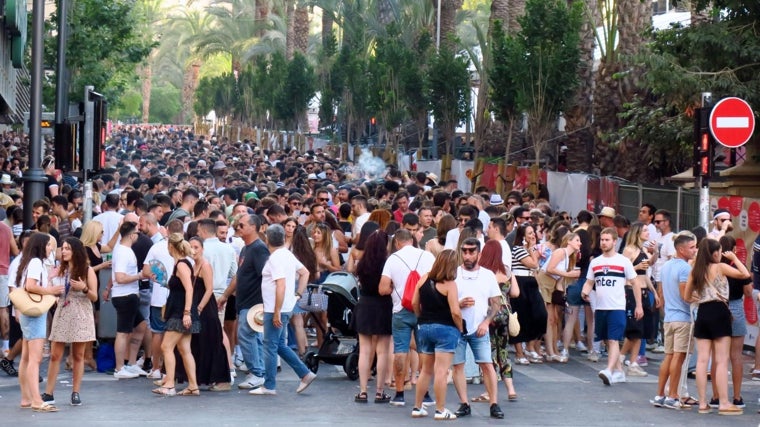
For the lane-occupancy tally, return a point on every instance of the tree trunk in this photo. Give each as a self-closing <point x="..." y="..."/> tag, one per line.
<point x="384" y="12"/>
<point x="449" y="10"/>
<point x="301" y="28"/>
<point x="189" y="84"/>
<point x="327" y="27"/>
<point x="147" y="86"/>
<point x="516" y="9"/>
<point x="290" y="11"/>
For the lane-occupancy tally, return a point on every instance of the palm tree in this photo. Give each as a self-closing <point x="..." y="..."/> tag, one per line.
<point x="516" y="9"/>
<point x="152" y="14"/>
<point x="449" y="9"/>
<point x="301" y="28"/>
<point x="234" y="30"/>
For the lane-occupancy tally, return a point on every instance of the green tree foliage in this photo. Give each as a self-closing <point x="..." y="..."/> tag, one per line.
<point x="166" y="103"/>
<point x="297" y="89"/>
<point x="449" y="91"/>
<point x="103" y="47"/>
<point x="385" y="70"/>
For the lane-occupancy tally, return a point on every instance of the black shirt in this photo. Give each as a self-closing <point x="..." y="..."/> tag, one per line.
<point x="434" y="306"/>
<point x="141" y="247"/>
<point x="252" y="260"/>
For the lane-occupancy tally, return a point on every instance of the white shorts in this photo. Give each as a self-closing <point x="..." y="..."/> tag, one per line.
<point x="4" y="301"/>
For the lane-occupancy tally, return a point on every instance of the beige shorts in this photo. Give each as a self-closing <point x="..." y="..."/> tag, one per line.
<point x="677" y="337"/>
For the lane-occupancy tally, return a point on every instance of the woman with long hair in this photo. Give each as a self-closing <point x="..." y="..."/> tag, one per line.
<point x="327" y="257"/>
<point x="562" y="267"/>
<point x="73" y="321"/>
<point x="33" y="276"/>
<point x="181" y="316"/>
<point x="357" y="251"/>
<point x="373" y="317"/>
<point x="439" y="320"/>
<point x="289" y="225"/>
<point x="529" y="305"/>
<point x="381" y="216"/>
<point x="491" y="258"/>
<point x="445" y="224"/>
<point x="551" y="281"/>
<point x="708" y="286"/>
<point x="301" y="249"/>
<point x="641" y="258"/>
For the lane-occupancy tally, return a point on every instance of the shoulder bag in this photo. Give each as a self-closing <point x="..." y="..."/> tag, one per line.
<point x="30" y="304"/>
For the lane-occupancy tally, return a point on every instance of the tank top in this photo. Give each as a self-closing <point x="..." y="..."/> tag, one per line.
<point x="562" y="265"/>
<point x="717" y="290"/>
<point x="636" y="261"/>
<point x="434" y="306"/>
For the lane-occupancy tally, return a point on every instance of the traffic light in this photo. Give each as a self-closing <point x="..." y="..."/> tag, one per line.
<point x="99" y="133"/>
<point x="704" y="145"/>
<point x="65" y="146"/>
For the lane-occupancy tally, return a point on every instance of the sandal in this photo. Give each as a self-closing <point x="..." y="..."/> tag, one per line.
<point x="27" y="406"/>
<point x="189" y="392"/>
<point x="165" y="391"/>
<point x="220" y="387"/>
<point x="361" y="397"/>
<point x="690" y="401"/>
<point x="512" y="397"/>
<point x="522" y="361"/>
<point x="45" y="407"/>
<point x="381" y="397"/>
<point x="483" y="398"/>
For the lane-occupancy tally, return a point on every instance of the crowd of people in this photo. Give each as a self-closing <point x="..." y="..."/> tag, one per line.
<point x="205" y="249"/>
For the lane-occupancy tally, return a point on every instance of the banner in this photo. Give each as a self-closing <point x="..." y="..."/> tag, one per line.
<point x="567" y="192"/>
<point x="601" y="192"/>
<point x="459" y="170"/>
<point x="430" y="166"/>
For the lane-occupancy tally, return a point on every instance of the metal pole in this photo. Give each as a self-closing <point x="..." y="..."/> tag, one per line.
<point x="87" y="202"/>
<point x="438" y="26"/>
<point x="704" y="184"/>
<point x="61" y="72"/>
<point x="34" y="177"/>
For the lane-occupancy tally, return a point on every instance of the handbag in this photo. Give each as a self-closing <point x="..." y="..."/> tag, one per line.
<point x="505" y="321"/>
<point x="315" y="301"/>
<point x="30" y="304"/>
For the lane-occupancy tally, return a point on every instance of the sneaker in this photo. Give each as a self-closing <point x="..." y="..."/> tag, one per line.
<point x="140" y="361"/>
<point x="496" y="411"/>
<point x="306" y="381"/>
<point x="240" y="365"/>
<point x="659" y="349"/>
<point x="672" y="403"/>
<point x="642" y="361"/>
<point x="147" y="366"/>
<point x="606" y="376"/>
<point x="419" y="412"/>
<point x="136" y="369"/>
<point x="427" y="400"/>
<point x="251" y="381"/>
<point x="564" y="356"/>
<point x="124" y="374"/>
<point x="155" y="374"/>
<point x="618" y="377"/>
<point x="658" y="401"/>
<point x="7" y="366"/>
<point x="593" y="356"/>
<point x="463" y="411"/>
<point x="263" y="391"/>
<point x="739" y="403"/>
<point x="398" y="400"/>
<point x="446" y="415"/>
<point x="651" y="346"/>
<point x="48" y="398"/>
<point x="581" y="347"/>
<point x="634" y="370"/>
<point x="75" y="399"/>
<point x="755" y="374"/>
<point x="714" y="403"/>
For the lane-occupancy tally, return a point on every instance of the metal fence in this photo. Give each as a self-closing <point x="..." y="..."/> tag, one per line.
<point x="683" y="205"/>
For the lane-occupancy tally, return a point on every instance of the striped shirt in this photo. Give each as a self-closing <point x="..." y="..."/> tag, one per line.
<point x="518" y="268"/>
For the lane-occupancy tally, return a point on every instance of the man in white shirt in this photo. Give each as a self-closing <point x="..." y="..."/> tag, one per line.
<point x="480" y="300"/>
<point x="397" y="268"/>
<point x="110" y="218"/>
<point x="125" y="297"/>
<point x="497" y="230"/>
<point x="361" y="215"/>
<point x="279" y="292"/>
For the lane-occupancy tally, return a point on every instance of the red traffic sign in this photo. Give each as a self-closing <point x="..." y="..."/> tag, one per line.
<point x="732" y="122"/>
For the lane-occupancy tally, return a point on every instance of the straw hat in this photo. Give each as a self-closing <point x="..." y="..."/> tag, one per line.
<point x="255" y="318"/>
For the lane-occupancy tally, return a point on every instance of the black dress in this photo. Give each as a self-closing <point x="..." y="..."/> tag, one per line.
<point x="373" y="314"/>
<point x="94" y="262"/>
<point x="175" y="304"/>
<point x="211" y="363"/>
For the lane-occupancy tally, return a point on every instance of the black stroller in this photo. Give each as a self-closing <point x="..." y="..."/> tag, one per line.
<point x="340" y="345"/>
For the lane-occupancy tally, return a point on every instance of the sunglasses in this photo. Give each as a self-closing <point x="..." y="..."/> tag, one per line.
<point x="469" y="250"/>
<point x="295" y="203"/>
<point x="239" y="226"/>
<point x="323" y="199"/>
<point x="657" y="221"/>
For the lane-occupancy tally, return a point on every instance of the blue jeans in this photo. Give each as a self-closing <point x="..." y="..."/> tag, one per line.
<point x="275" y="343"/>
<point x="251" y="345"/>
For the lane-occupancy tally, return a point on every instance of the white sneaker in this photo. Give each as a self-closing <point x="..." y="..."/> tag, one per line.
<point x="155" y="374"/>
<point x="137" y="370"/>
<point x="444" y="415"/>
<point x="618" y="377"/>
<point x="593" y="356"/>
<point x="251" y="381"/>
<point x="124" y="374"/>
<point x="605" y="376"/>
<point x="581" y="347"/>
<point x="419" y="412"/>
<point x="306" y="381"/>
<point x="634" y="370"/>
<point x="140" y="361"/>
<point x="263" y="391"/>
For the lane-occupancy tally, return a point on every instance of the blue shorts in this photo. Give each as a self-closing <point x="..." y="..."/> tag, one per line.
<point x="436" y="338"/>
<point x="404" y="322"/>
<point x="481" y="349"/>
<point x="739" y="323"/>
<point x="145" y="303"/>
<point x="157" y="324"/>
<point x="33" y="328"/>
<point x="609" y="324"/>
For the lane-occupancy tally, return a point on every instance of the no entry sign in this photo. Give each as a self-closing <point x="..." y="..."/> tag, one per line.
<point x="732" y="122"/>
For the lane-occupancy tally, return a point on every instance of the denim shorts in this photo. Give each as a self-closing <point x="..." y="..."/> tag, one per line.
<point x="33" y="328"/>
<point x="739" y="323"/>
<point x="404" y="322"/>
<point x="157" y="324"/>
<point x="609" y="324"/>
<point x="145" y="303"/>
<point x="481" y="349"/>
<point x="436" y="338"/>
<point x="4" y="291"/>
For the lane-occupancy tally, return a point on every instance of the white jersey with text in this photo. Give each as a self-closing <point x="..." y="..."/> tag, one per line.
<point x="610" y="274"/>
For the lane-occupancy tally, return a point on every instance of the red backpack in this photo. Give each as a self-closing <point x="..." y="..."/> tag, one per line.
<point x="411" y="284"/>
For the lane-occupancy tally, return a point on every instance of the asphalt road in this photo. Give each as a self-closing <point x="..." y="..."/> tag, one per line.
<point x="549" y="395"/>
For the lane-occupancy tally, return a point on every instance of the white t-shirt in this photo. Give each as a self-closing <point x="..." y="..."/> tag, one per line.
<point x="110" y="221"/>
<point x="452" y="238"/>
<point x="480" y="285"/>
<point x="397" y="271"/>
<point x="506" y="255"/>
<point x="34" y="270"/>
<point x="667" y="251"/>
<point x="610" y="274"/>
<point x="160" y="251"/>
<point x="359" y="223"/>
<point x="223" y="261"/>
<point x="282" y="264"/>
<point x="124" y="261"/>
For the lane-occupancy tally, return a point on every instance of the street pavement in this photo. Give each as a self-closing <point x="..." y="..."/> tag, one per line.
<point x="549" y="395"/>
